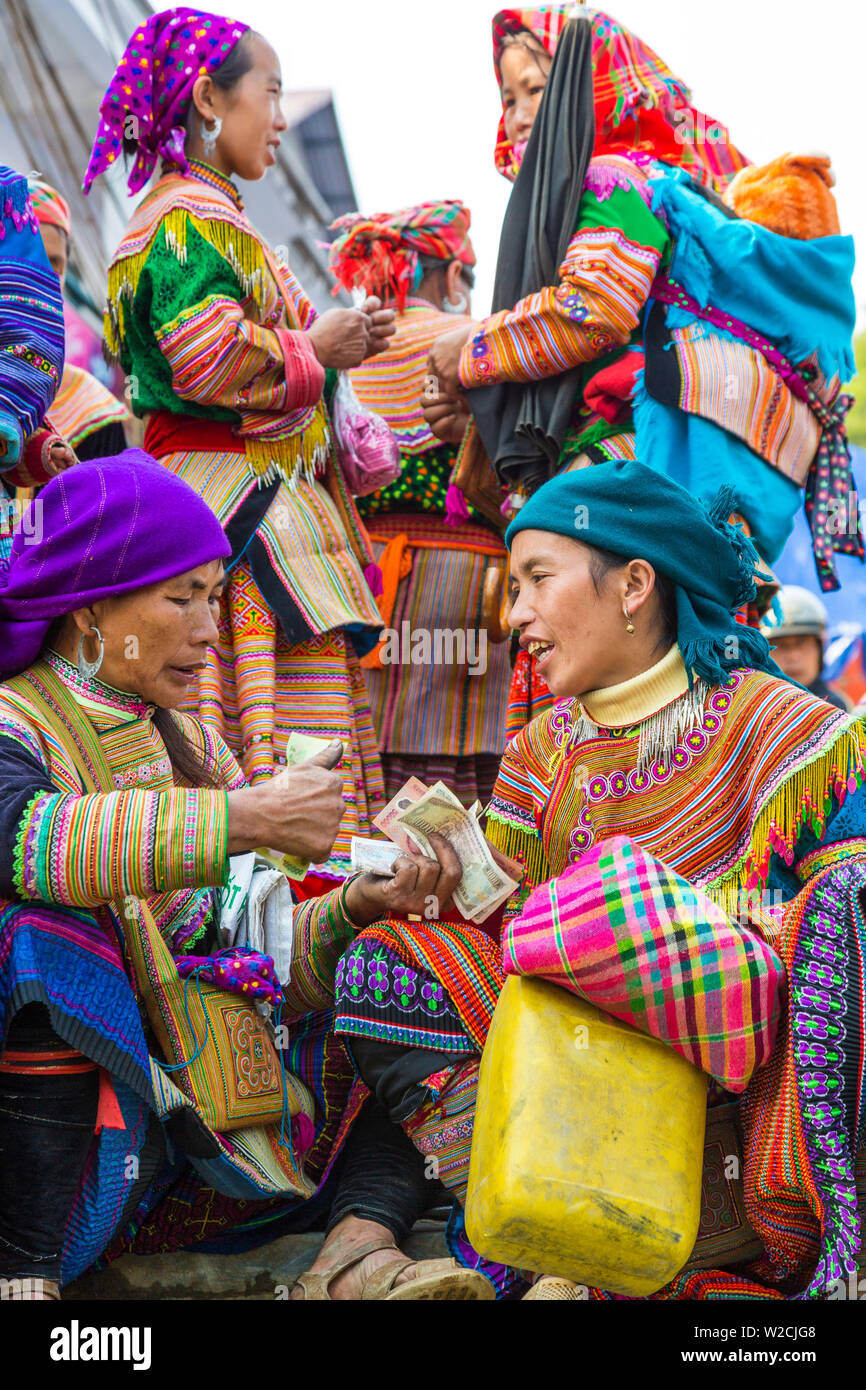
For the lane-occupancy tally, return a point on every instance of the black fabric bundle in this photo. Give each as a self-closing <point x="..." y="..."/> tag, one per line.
<point x="523" y="425"/>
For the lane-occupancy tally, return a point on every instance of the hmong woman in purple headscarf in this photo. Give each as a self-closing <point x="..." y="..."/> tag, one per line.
<point x="118" y="815"/>
<point x="228" y="363"/>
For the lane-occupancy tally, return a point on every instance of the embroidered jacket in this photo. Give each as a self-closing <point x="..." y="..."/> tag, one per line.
<point x="152" y="838"/>
<point x="209" y="327"/>
<point x="752" y="795"/>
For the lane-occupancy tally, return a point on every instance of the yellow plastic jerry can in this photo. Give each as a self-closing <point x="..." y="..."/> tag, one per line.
<point x="588" y="1145"/>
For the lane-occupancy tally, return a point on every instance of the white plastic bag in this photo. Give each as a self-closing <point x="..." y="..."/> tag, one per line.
<point x="256" y="911"/>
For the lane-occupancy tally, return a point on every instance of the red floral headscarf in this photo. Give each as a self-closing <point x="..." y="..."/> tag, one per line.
<point x="641" y="107"/>
<point x="381" y="253"/>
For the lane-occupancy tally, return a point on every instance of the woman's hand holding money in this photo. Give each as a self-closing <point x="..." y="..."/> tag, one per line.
<point x="420" y="887"/>
<point x="296" y="812"/>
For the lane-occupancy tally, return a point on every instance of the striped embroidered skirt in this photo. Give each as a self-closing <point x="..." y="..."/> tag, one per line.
<point x="295" y="609"/>
<point x="437" y="686"/>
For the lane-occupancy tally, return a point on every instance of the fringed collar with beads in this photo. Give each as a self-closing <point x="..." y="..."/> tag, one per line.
<point x="658" y="702"/>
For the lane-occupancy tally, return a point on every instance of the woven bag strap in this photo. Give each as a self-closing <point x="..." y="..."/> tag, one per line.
<point x="77" y="735"/>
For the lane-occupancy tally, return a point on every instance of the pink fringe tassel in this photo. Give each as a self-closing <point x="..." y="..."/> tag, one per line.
<point x="456" y="510"/>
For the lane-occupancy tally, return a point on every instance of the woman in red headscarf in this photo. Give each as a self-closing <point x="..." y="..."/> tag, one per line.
<point x="620" y="327"/>
<point x="436" y="556"/>
<point x="583" y="324"/>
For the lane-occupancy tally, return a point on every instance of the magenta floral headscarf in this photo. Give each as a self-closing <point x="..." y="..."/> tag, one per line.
<point x="152" y="87"/>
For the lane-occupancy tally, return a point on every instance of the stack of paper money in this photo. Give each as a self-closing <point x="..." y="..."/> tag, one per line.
<point x="374" y="856"/>
<point x="417" y="812"/>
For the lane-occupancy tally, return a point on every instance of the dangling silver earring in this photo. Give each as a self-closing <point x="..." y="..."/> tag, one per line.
<point x="210" y="137"/>
<point x="88" y="669"/>
<point x="460" y="308"/>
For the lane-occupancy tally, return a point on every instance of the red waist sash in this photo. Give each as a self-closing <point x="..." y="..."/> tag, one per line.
<point x="166" y="433"/>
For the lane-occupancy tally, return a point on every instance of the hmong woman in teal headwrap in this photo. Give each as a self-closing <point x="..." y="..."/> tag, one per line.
<point x="670" y="726"/>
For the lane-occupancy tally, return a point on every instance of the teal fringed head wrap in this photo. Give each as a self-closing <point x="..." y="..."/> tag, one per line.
<point x="640" y="514"/>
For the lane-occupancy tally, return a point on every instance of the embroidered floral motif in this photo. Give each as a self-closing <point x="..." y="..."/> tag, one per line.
<point x="380" y="996"/>
<point x="819" y="983"/>
<point x="692" y="744"/>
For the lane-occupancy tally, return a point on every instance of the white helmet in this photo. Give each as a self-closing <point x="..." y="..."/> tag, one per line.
<point x="794" y="612"/>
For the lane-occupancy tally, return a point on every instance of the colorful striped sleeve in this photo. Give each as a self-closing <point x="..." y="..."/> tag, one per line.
<point x="604" y="282"/>
<point x="511" y="820"/>
<point x="59" y="846"/>
<point x="81" y="851"/>
<point x="217" y="355"/>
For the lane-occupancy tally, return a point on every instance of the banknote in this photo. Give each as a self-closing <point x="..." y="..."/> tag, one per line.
<point x="386" y="821"/>
<point x="483" y="886"/>
<point x="374" y="856"/>
<point x="299" y="747"/>
<point x="289" y="864"/>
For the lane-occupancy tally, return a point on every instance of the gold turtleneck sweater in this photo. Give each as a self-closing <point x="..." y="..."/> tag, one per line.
<point x="630" y="702"/>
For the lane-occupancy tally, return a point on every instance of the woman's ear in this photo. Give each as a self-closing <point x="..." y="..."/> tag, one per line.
<point x="84" y="619"/>
<point x="455" y="286"/>
<point x="640" y="581"/>
<point x="202" y="97"/>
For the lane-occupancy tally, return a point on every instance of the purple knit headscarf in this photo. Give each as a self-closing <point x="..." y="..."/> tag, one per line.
<point x="152" y="87"/>
<point x="104" y="527"/>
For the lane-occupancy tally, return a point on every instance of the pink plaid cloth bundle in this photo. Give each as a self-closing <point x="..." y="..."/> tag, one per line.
<point x="626" y="933"/>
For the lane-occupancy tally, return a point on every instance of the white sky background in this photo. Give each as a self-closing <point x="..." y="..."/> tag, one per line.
<point x="418" y="105"/>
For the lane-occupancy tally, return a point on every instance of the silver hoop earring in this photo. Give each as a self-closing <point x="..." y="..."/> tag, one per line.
<point x="459" y="308"/>
<point x="88" y="669"/>
<point x="210" y="137"/>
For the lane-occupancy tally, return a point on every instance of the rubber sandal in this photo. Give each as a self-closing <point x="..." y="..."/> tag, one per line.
<point x="316" y="1285"/>
<point x="442" y="1280"/>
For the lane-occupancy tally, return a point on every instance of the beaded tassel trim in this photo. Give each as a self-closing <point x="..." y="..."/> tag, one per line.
<point x="659" y="733"/>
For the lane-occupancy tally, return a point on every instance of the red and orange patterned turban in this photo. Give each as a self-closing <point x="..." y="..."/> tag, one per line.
<point x="641" y="107"/>
<point x="382" y="254"/>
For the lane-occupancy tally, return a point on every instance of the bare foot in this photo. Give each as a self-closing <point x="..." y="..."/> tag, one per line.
<point x="351" y="1234"/>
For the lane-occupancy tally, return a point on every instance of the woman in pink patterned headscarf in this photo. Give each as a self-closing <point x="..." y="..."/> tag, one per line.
<point x="150" y="94"/>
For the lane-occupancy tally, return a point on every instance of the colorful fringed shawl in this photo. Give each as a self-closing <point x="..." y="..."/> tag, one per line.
<point x="764" y="761"/>
<point x="292" y="442"/>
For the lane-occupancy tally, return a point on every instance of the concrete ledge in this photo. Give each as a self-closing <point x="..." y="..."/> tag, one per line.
<point x="258" y="1274"/>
